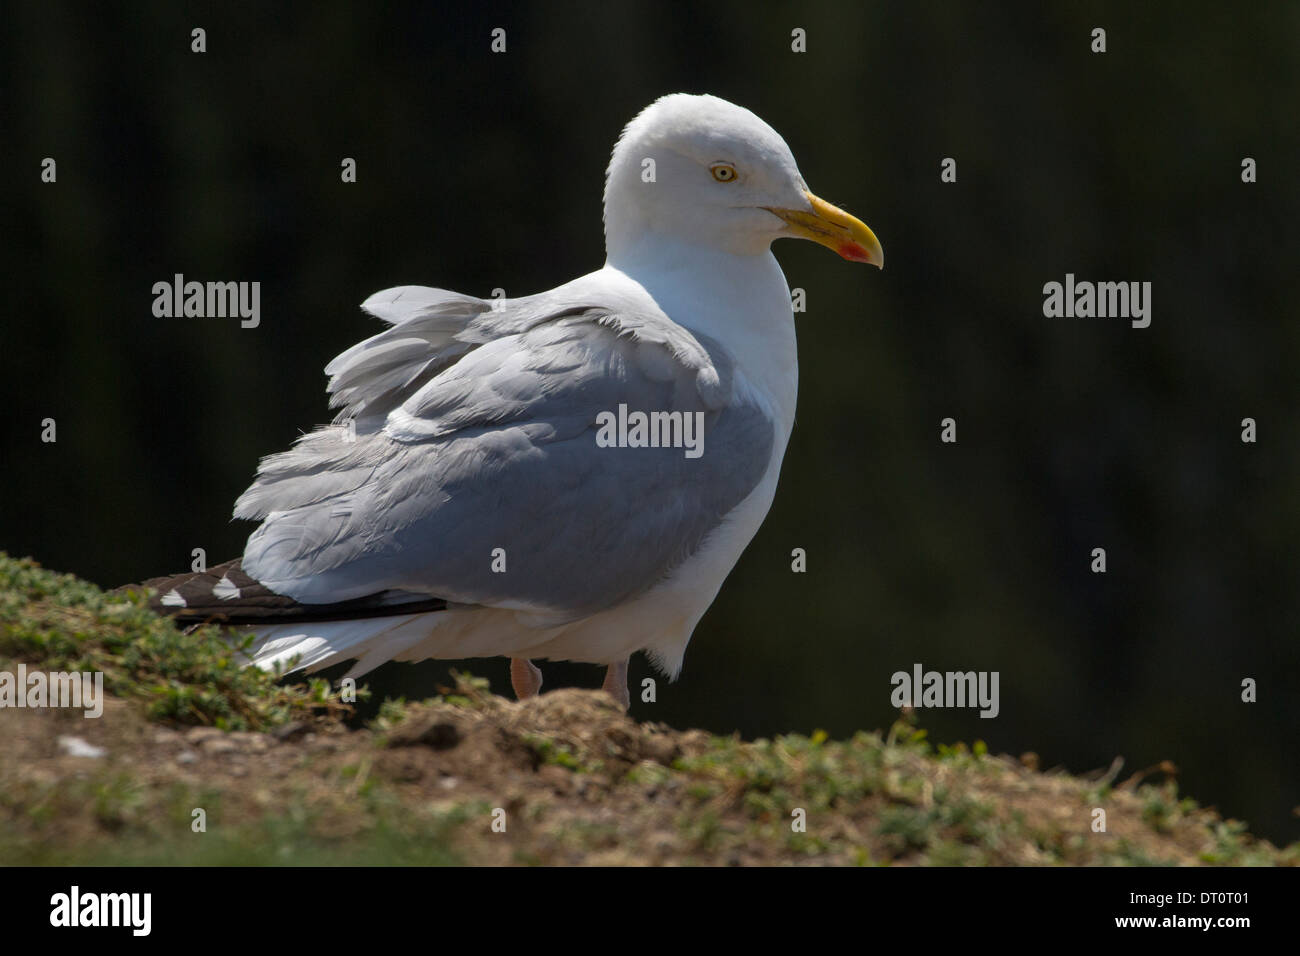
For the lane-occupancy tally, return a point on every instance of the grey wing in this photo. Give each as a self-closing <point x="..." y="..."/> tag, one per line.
<point x="487" y="485"/>
<point x="375" y="376"/>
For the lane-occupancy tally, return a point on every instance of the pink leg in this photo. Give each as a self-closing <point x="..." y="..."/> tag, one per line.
<point x="616" y="683"/>
<point x="525" y="678"/>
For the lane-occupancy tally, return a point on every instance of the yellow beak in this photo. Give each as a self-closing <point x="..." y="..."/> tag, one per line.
<point x="835" y="229"/>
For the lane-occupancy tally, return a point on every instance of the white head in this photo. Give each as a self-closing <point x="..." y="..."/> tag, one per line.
<point x="707" y="172"/>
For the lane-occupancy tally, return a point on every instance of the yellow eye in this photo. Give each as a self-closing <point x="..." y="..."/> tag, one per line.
<point x="723" y="172"/>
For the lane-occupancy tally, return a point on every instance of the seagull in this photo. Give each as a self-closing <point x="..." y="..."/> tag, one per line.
<point x="569" y="475"/>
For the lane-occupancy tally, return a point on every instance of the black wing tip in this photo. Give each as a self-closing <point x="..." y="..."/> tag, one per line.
<point x="225" y="595"/>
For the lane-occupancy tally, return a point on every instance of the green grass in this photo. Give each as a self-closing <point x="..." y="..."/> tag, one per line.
<point x="135" y="832"/>
<point x="65" y="624"/>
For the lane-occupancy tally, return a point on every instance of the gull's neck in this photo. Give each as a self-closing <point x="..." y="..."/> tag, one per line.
<point x="741" y="301"/>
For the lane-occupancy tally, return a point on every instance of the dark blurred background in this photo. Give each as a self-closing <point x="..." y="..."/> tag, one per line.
<point x="478" y="170"/>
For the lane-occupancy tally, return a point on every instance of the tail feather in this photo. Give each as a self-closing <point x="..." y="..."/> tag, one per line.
<point x="310" y="648"/>
<point x="374" y="628"/>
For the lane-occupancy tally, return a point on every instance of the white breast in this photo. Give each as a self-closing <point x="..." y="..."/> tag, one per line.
<point x="742" y="302"/>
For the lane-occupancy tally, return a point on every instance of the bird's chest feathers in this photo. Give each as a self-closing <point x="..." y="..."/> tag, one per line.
<point x="743" y="303"/>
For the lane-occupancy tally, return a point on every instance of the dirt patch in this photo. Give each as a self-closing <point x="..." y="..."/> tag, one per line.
<point x="565" y="778"/>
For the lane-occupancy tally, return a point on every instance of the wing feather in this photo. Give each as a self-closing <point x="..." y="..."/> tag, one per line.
<point x="474" y="475"/>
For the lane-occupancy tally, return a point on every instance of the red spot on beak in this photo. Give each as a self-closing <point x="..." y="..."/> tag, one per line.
<point x="854" y="252"/>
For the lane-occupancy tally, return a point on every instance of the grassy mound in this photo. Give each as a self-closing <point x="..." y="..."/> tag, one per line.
<point x="200" y="761"/>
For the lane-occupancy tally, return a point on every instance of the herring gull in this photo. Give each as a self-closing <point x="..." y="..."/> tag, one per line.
<point x="567" y="475"/>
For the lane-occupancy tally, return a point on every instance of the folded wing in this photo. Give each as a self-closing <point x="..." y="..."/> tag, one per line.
<point x="465" y="464"/>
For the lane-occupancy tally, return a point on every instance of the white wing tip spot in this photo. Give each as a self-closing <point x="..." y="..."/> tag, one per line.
<point x="225" y="589"/>
<point x="173" y="599"/>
